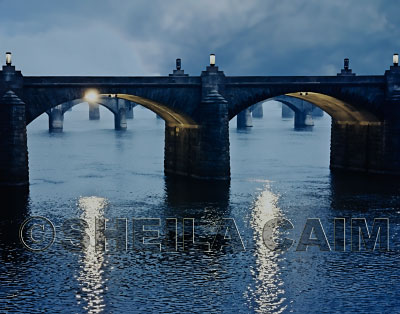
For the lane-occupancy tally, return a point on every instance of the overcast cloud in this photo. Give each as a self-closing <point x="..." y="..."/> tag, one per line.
<point x="139" y="37"/>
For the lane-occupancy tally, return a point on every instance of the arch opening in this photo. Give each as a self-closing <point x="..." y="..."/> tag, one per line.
<point x="340" y="111"/>
<point x="169" y="115"/>
<point x="356" y="133"/>
<point x="70" y="104"/>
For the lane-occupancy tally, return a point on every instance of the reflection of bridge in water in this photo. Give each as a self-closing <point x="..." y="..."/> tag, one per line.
<point x="365" y="113"/>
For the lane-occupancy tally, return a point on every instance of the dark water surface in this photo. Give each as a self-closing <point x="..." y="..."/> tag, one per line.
<point x="91" y="171"/>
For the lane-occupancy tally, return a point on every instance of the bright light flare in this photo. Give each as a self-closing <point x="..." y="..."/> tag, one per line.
<point x="92" y="96"/>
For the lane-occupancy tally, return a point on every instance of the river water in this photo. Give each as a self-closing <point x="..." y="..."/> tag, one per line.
<point x="90" y="170"/>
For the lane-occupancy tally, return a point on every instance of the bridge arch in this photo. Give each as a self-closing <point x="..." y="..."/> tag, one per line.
<point x="171" y="116"/>
<point x="56" y="113"/>
<point x="356" y="131"/>
<point x="64" y="107"/>
<point x="340" y="111"/>
<point x="182" y="133"/>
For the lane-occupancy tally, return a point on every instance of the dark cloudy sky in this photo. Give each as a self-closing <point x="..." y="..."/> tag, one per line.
<point x="144" y="37"/>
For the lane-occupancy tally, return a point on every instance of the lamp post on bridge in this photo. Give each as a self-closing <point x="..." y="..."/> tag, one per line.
<point x="396" y="59"/>
<point x="10" y="75"/>
<point x="8" y="58"/>
<point x="212" y="59"/>
<point x="178" y="71"/>
<point x="346" y="71"/>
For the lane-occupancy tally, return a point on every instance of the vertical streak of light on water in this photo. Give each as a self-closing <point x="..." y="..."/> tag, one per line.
<point x="90" y="276"/>
<point x="266" y="293"/>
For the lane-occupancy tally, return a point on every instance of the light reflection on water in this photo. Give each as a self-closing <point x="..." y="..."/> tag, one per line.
<point x="91" y="170"/>
<point x="268" y="292"/>
<point x="90" y="276"/>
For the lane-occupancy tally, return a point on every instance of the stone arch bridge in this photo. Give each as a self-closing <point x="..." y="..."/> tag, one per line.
<point x="120" y="108"/>
<point x="365" y="113"/>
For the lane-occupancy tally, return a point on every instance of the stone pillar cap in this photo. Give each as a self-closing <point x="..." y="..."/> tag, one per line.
<point x="214" y="97"/>
<point x="10" y="98"/>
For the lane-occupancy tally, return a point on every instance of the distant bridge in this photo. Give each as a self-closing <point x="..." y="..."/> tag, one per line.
<point x="56" y="114"/>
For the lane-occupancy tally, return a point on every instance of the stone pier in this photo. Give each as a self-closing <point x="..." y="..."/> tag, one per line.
<point x="357" y="147"/>
<point x="214" y="155"/>
<point x="244" y="119"/>
<point x="56" y="119"/>
<point x="14" y="170"/>
<point x="257" y="110"/>
<point x="287" y="113"/>
<point x="303" y="119"/>
<point x="317" y="112"/>
<point x="94" y="111"/>
<point x="201" y="151"/>
<point x="301" y="109"/>
<point x="120" y="115"/>
<point x="180" y="149"/>
<point x="129" y="111"/>
<point x="391" y="136"/>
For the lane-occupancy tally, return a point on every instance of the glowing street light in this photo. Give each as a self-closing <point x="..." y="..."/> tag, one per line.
<point x="396" y="59"/>
<point x="91" y="95"/>
<point x="212" y="59"/>
<point x="8" y="58"/>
